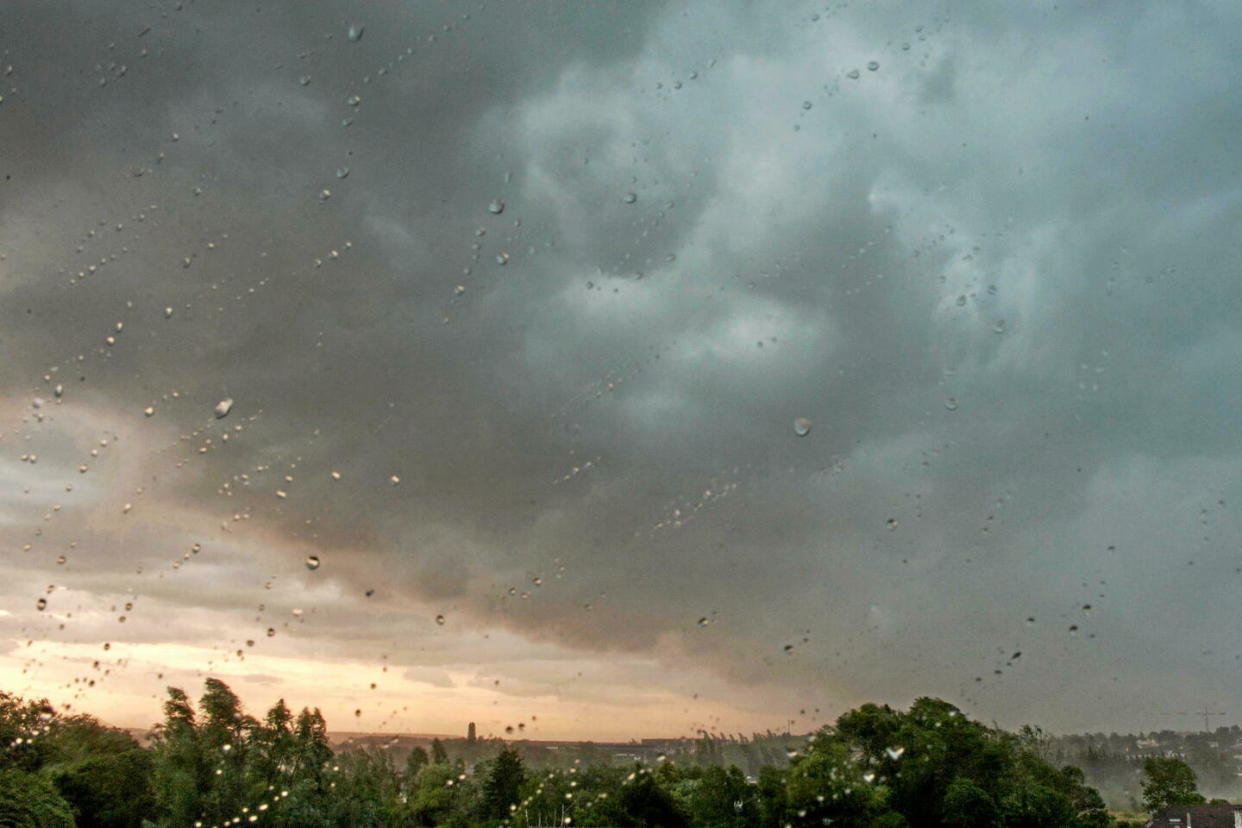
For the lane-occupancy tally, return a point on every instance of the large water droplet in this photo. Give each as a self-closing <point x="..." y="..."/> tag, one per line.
<point x="630" y="198"/>
<point x="223" y="408"/>
<point x="440" y="620"/>
<point x="873" y="65"/>
<point x="802" y="426"/>
<point x="354" y="33"/>
<point x="312" y="562"/>
<point x="41" y="604"/>
<point x="496" y="207"/>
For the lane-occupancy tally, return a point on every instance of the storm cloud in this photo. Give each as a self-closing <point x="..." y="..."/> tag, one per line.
<point x="518" y="305"/>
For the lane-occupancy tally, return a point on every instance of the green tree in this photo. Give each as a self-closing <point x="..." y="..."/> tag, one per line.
<point x="829" y="786"/>
<point x="102" y="772"/>
<point x="966" y="805"/>
<point x="503" y="785"/>
<point x="1168" y="782"/>
<point x="722" y="798"/>
<point x="415" y="762"/>
<point x="180" y="773"/>
<point x="646" y="804"/>
<point x="440" y="797"/>
<point x="28" y="800"/>
<point x="366" y="791"/>
<point x="22" y="723"/>
<point x="439" y="755"/>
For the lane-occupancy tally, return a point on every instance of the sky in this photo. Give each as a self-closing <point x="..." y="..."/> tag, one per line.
<point x="628" y="368"/>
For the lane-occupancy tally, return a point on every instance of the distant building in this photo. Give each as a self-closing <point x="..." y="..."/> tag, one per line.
<point x="470" y="733"/>
<point x="1198" y="816"/>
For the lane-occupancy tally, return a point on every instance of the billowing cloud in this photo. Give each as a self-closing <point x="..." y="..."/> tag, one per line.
<point x="518" y="306"/>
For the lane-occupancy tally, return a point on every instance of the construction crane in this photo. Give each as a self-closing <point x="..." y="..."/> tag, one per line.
<point x="1207" y="715"/>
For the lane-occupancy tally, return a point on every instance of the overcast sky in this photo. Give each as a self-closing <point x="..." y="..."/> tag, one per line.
<point x="518" y="305"/>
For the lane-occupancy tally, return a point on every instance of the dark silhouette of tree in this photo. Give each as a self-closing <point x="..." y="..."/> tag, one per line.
<point x="503" y="785"/>
<point x="645" y="804"/>
<point x="1168" y="782"/>
<point x="415" y="762"/>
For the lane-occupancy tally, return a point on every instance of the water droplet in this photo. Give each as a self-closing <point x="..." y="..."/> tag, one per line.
<point x="336" y="475"/>
<point x="891" y="523"/>
<point x="325" y="194"/>
<point x="395" y="480"/>
<point x="440" y="620"/>
<point x="305" y="80"/>
<point x="894" y="753"/>
<point x="951" y="403"/>
<point x="873" y="65"/>
<point x="999" y="327"/>
<point x="354" y="33"/>
<point x="630" y="198"/>
<point x="271" y="632"/>
<point x="223" y="408"/>
<point x="168" y="312"/>
<point x="496" y="207"/>
<point x="802" y="426"/>
<point x="312" y="562"/>
<point x="41" y="604"/>
<point x="149" y="411"/>
<point x="353" y="100"/>
<point x="342" y="172"/>
<point x="59" y="390"/>
<point x="806" y="105"/>
<point x="852" y="74"/>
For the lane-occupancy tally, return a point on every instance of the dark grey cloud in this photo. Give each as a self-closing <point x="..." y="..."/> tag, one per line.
<point x="994" y="271"/>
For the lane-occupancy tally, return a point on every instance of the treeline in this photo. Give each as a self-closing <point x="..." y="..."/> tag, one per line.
<point x="1113" y="763"/>
<point x="211" y="764"/>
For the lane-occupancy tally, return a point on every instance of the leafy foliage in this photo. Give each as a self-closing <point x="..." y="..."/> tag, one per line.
<point x="1168" y="782"/>
<point x="212" y="764"/>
